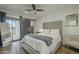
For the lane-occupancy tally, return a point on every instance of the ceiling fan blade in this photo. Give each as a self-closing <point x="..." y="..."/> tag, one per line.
<point x="33" y="5"/>
<point x="39" y="10"/>
<point x="29" y="9"/>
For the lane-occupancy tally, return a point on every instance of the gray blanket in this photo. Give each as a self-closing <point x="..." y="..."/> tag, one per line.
<point x="46" y="39"/>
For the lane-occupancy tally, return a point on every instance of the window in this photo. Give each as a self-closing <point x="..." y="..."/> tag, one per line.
<point x="72" y="20"/>
<point x="12" y="24"/>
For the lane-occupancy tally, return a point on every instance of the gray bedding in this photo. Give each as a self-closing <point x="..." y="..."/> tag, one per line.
<point x="46" y="39"/>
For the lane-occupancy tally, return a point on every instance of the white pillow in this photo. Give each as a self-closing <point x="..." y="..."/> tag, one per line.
<point x="46" y="31"/>
<point x="55" y="31"/>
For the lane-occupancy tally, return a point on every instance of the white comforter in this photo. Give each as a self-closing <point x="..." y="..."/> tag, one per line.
<point x="40" y="45"/>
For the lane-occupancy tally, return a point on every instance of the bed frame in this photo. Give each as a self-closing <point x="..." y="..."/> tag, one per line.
<point x="51" y="25"/>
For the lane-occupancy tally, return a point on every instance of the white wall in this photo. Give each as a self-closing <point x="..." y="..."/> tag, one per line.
<point x="59" y="15"/>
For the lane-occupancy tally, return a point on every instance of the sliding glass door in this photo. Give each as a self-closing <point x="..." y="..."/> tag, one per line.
<point x="12" y="24"/>
<point x="13" y="27"/>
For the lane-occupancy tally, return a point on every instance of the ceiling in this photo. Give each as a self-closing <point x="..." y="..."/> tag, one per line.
<point x="18" y="9"/>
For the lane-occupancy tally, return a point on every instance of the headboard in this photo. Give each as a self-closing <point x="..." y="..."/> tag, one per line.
<point x="54" y="25"/>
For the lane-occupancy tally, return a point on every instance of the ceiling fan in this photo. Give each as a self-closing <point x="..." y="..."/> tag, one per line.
<point x="34" y="9"/>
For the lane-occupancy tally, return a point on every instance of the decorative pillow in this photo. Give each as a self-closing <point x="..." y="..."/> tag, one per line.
<point x="55" y="32"/>
<point x="46" y="31"/>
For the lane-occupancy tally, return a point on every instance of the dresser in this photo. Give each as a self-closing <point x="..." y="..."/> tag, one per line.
<point x="71" y="40"/>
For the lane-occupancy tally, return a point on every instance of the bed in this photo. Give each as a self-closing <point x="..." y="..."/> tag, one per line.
<point x="46" y="42"/>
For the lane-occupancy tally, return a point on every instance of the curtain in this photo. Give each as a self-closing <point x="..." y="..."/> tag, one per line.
<point x="2" y="16"/>
<point x="2" y="19"/>
<point x="24" y="26"/>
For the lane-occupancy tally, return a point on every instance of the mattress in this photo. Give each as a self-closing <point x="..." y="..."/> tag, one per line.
<point x="51" y="49"/>
<point x="32" y="51"/>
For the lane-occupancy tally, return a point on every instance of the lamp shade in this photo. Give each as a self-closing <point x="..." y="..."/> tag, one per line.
<point x="41" y="30"/>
